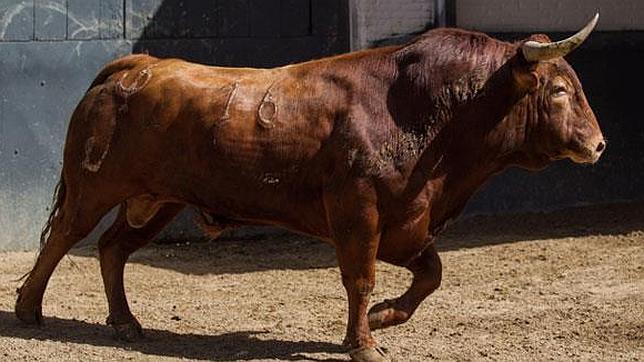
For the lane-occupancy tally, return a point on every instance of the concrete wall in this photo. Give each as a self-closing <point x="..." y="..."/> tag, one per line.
<point x="548" y="15"/>
<point x="50" y="50"/>
<point x="376" y="20"/>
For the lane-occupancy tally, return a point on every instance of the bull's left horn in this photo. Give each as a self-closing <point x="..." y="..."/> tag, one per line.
<point x="534" y="51"/>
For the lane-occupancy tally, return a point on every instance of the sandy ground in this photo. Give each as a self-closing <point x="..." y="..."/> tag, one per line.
<point x="558" y="286"/>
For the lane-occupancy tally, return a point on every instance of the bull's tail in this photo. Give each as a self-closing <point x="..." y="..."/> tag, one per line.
<point x="57" y="202"/>
<point x="125" y="63"/>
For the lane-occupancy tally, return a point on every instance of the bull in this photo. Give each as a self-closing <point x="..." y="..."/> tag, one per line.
<point x="373" y="151"/>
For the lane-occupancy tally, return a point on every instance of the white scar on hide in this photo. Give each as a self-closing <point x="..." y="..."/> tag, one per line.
<point x="88" y="164"/>
<point x="142" y="79"/>
<point x="100" y="140"/>
<point x="267" y="109"/>
<point x="229" y="101"/>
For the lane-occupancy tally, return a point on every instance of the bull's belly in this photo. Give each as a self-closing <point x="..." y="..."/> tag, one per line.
<point x="261" y="197"/>
<point x="268" y="176"/>
<point x="235" y="177"/>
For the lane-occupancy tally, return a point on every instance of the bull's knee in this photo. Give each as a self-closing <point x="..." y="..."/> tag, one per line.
<point x="433" y="276"/>
<point x="428" y="270"/>
<point x="435" y="280"/>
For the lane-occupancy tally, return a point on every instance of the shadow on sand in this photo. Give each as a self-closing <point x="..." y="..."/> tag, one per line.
<point x="281" y="252"/>
<point x="234" y="256"/>
<point x="295" y="252"/>
<point x="607" y="219"/>
<point x="223" y="347"/>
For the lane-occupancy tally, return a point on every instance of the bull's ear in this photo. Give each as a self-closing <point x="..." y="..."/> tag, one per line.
<point x="523" y="70"/>
<point x="525" y="75"/>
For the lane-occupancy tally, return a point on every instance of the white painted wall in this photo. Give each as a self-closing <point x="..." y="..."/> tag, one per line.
<point x="548" y="15"/>
<point x="374" y="20"/>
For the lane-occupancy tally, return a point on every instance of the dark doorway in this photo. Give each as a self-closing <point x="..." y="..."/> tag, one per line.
<point x="259" y="33"/>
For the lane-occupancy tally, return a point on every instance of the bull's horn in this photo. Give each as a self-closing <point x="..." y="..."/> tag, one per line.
<point x="534" y="51"/>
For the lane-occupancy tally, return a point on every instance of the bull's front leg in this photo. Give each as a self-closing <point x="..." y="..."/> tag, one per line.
<point x="358" y="277"/>
<point x="427" y="270"/>
<point x="357" y="261"/>
<point x="356" y="233"/>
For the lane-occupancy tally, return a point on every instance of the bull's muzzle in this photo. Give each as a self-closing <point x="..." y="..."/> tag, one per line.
<point x="598" y="149"/>
<point x="591" y="152"/>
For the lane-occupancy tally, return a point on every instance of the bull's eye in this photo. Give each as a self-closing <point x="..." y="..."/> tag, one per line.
<point x="559" y="91"/>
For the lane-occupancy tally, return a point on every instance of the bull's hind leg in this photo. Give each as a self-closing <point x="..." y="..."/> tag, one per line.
<point x="115" y="246"/>
<point x="74" y="215"/>
<point x="427" y="271"/>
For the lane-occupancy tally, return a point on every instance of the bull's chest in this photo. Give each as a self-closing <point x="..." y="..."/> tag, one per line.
<point x="418" y="225"/>
<point x="402" y="242"/>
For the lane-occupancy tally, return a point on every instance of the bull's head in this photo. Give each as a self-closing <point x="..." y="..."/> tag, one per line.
<point x="561" y="123"/>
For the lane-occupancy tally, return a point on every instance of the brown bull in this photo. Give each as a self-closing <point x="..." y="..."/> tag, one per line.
<point x="373" y="151"/>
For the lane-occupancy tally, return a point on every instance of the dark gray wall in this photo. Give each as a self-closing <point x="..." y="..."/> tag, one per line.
<point x="50" y="50"/>
<point x="609" y="66"/>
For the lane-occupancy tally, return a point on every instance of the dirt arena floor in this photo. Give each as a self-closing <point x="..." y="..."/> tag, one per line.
<point x="567" y="285"/>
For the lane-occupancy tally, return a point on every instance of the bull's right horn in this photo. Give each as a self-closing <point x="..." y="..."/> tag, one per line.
<point x="534" y="51"/>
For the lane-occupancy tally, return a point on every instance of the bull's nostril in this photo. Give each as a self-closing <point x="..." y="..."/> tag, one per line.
<point x="600" y="147"/>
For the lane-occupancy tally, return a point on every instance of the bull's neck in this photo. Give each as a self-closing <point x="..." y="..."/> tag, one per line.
<point x="471" y="141"/>
<point x="486" y="129"/>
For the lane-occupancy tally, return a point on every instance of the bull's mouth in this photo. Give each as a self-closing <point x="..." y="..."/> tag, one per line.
<point x="585" y="155"/>
<point x="585" y="159"/>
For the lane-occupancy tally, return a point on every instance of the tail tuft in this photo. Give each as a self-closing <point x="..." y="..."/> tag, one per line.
<point x="56" y="204"/>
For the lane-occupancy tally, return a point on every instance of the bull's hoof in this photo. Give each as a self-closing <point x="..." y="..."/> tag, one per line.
<point x="370" y="354"/>
<point x="29" y="313"/>
<point x="130" y="331"/>
<point x="346" y="343"/>
<point x="385" y="314"/>
<point x="32" y="316"/>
